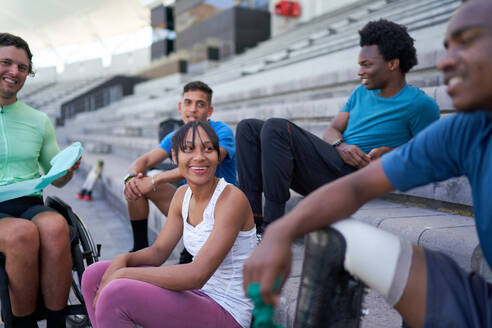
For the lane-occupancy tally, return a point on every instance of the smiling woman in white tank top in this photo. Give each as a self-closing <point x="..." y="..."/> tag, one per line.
<point x="216" y="223"/>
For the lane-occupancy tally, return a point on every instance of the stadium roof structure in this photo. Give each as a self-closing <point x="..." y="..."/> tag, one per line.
<point x="49" y="24"/>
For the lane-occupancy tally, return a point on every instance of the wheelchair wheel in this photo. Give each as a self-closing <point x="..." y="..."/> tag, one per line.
<point x="75" y="299"/>
<point x="84" y="253"/>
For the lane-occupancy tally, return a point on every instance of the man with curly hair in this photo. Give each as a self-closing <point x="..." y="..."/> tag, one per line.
<point x="381" y="114"/>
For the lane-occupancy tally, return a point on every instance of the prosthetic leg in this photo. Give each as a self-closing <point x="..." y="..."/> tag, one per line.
<point x="330" y="295"/>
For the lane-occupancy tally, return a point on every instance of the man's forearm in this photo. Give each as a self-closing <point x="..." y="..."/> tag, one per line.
<point x="331" y="135"/>
<point x="139" y="166"/>
<point x="62" y="181"/>
<point x="168" y="176"/>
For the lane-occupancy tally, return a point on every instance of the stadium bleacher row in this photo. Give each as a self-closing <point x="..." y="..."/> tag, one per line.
<point x="49" y="96"/>
<point x="314" y="61"/>
<point x="316" y="76"/>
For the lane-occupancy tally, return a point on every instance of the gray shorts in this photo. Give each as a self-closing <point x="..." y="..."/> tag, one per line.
<point x="455" y="298"/>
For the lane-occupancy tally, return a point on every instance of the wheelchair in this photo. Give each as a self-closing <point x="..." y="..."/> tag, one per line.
<point x="84" y="252"/>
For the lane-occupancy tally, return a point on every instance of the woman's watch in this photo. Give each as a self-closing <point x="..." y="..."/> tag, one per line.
<point x="337" y="143"/>
<point x="128" y="177"/>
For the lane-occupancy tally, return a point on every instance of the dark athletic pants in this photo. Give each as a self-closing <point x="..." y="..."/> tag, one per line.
<point x="275" y="155"/>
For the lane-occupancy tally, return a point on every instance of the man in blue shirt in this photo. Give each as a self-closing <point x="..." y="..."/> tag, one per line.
<point x="381" y="114"/>
<point x="140" y="188"/>
<point x="428" y="288"/>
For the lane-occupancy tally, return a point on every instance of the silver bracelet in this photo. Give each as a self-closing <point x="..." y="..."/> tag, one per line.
<point x="153" y="184"/>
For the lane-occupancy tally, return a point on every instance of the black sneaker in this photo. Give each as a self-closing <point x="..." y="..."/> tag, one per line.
<point x="328" y="295"/>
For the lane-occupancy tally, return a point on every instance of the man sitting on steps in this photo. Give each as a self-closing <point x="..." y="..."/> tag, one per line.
<point x="381" y="114"/>
<point x="196" y="105"/>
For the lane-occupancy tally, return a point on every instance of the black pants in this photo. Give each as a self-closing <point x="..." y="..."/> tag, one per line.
<point x="275" y="155"/>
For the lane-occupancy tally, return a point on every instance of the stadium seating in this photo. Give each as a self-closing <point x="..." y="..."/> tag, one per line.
<point x="49" y="96"/>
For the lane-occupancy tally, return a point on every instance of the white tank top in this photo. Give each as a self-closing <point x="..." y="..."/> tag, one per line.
<point x="225" y="286"/>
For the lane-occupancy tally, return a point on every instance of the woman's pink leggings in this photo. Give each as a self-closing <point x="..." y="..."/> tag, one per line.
<point x="127" y="302"/>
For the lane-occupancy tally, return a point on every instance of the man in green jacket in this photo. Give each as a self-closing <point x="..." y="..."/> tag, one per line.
<point x="33" y="238"/>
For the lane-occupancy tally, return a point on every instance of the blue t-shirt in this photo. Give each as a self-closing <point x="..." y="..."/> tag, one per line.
<point x="375" y="121"/>
<point x="457" y="145"/>
<point x="227" y="168"/>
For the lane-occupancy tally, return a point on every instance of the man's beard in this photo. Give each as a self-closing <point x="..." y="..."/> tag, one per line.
<point x="7" y="94"/>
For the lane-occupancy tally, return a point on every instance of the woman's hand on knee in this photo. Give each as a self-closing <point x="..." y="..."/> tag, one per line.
<point x="113" y="272"/>
<point x="106" y="279"/>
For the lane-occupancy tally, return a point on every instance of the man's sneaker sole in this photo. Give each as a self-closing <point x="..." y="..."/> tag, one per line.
<point x="328" y="295"/>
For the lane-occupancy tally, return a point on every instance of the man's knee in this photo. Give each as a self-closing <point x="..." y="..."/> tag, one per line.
<point x="53" y="229"/>
<point x="137" y="203"/>
<point x="273" y="128"/>
<point x="138" y="209"/>
<point x="23" y="238"/>
<point x="248" y="128"/>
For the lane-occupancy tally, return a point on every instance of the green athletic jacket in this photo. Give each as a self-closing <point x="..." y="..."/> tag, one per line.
<point x="27" y="143"/>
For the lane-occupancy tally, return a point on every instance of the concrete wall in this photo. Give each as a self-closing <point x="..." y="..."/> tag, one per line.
<point x="130" y="61"/>
<point x="45" y="74"/>
<point x="78" y="70"/>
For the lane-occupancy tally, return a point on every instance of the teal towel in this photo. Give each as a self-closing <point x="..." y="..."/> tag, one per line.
<point x="263" y="313"/>
<point x="59" y="166"/>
